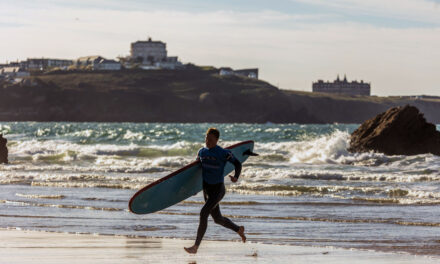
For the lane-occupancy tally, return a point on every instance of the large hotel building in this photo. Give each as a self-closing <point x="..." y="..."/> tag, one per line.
<point x="153" y="51"/>
<point x="342" y="87"/>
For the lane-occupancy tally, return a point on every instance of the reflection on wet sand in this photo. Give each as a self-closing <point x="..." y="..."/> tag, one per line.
<point x="48" y="247"/>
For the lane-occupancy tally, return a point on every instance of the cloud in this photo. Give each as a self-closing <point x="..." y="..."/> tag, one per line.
<point x="416" y="10"/>
<point x="290" y="50"/>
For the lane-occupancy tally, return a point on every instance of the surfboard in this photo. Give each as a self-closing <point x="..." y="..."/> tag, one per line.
<point x="181" y="184"/>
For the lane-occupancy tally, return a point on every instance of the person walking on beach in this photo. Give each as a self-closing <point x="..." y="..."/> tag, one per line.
<point x="213" y="159"/>
<point x="3" y="150"/>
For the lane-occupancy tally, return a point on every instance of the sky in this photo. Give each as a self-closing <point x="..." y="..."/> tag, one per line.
<point x="392" y="44"/>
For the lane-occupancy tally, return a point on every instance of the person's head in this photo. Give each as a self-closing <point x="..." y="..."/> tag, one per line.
<point x="212" y="136"/>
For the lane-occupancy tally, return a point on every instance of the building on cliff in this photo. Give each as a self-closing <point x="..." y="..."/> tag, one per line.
<point x="152" y="55"/>
<point x="88" y="61"/>
<point x="342" y="87"/>
<point x="148" y="51"/>
<point x="250" y="73"/>
<point x="42" y="64"/>
<point x="14" y="72"/>
<point x="98" y="63"/>
<point x="107" y="65"/>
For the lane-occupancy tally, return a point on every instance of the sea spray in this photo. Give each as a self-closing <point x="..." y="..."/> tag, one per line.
<point x="324" y="149"/>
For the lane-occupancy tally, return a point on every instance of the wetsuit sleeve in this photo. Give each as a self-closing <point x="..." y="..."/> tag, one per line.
<point x="198" y="155"/>
<point x="237" y="164"/>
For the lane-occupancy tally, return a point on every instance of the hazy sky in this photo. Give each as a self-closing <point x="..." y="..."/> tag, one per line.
<point x="394" y="44"/>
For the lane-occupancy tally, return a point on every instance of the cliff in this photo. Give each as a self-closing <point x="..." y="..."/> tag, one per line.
<point x="356" y="109"/>
<point x="191" y="95"/>
<point x="194" y="95"/>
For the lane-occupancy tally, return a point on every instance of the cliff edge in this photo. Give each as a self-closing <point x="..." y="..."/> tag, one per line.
<point x="189" y="95"/>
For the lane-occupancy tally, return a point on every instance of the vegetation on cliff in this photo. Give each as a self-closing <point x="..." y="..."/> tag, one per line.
<point x="191" y="95"/>
<point x="194" y="95"/>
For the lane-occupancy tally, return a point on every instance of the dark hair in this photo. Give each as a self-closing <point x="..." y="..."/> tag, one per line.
<point x="213" y="131"/>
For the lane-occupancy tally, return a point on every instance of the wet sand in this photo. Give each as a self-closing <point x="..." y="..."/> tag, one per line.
<point x="45" y="247"/>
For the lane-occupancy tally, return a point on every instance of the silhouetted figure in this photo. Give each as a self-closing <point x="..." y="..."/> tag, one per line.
<point x="213" y="161"/>
<point x="3" y="150"/>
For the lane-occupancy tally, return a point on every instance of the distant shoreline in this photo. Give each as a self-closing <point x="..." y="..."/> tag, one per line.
<point x="197" y="95"/>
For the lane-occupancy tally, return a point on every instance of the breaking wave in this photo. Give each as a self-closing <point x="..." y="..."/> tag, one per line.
<point x="68" y="151"/>
<point x="41" y="196"/>
<point x="294" y="159"/>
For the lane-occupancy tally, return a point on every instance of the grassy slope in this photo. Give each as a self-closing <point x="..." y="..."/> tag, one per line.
<point x="162" y="96"/>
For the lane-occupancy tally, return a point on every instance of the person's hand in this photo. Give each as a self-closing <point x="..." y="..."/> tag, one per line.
<point x="233" y="179"/>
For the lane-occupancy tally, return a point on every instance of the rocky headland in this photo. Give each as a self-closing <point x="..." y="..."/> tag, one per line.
<point x="191" y="95"/>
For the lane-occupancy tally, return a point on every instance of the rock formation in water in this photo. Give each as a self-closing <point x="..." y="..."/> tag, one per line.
<point x="398" y="131"/>
<point x="3" y="150"/>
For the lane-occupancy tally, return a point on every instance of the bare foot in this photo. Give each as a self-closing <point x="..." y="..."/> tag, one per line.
<point x="191" y="250"/>
<point x="241" y="233"/>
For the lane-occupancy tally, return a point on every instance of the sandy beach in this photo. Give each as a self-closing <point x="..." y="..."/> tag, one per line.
<point x="19" y="246"/>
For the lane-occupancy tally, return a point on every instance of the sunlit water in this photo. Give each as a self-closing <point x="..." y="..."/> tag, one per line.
<point x="303" y="189"/>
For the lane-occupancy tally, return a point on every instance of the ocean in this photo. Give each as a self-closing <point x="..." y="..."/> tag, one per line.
<point x="303" y="189"/>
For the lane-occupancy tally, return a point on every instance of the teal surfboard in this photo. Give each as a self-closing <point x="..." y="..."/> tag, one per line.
<point x="180" y="184"/>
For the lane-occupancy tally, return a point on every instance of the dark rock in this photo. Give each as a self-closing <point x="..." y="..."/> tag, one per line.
<point x="3" y="150"/>
<point x="398" y="131"/>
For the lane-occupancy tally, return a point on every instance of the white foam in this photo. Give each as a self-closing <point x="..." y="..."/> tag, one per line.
<point x="63" y="179"/>
<point x="133" y="135"/>
<point x="334" y="172"/>
<point x="332" y="149"/>
<point x="171" y="162"/>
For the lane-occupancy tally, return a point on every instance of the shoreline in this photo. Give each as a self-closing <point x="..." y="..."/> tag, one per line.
<point x="25" y="246"/>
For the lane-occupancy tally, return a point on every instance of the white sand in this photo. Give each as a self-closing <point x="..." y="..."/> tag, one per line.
<point x="43" y="247"/>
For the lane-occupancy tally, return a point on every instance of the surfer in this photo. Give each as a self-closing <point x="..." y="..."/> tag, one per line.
<point x="213" y="159"/>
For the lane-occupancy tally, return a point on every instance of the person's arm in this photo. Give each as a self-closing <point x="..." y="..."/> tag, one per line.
<point x="237" y="166"/>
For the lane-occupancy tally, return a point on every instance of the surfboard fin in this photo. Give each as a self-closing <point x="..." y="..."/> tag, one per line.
<point x="249" y="153"/>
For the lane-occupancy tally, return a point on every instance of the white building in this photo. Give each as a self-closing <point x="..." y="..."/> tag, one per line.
<point x="170" y="63"/>
<point x="148" y="51"/>
<point x="250" y="73"/>
<point x="43" y="64"/>
<point x="226" y="71"/>
<point x="88" y="60"/>
<point x="14" y="72"/>
<point x="98" y="63"/>
<point x="151" y="55"/>
<point x="107" y="65"/>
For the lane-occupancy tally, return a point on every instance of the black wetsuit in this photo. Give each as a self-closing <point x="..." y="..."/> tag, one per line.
<point x="213" y="194"/>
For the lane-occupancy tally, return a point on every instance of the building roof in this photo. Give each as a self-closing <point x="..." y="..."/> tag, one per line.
<point x="338" y="80"/>
<point x="12" y="69"/>
<point x="226" y="69"/>
<point x="34" y="59"/>
<point x="86" y="58"/>
<point x="148" y="41"/>
<point x="247" y="70"/>
<point x="108" y="61"/>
